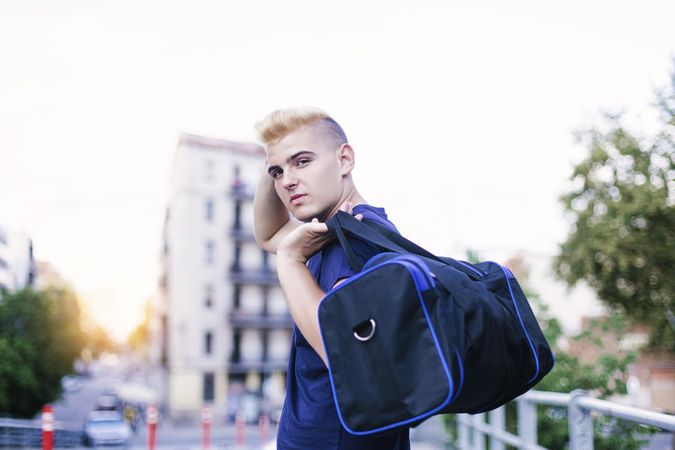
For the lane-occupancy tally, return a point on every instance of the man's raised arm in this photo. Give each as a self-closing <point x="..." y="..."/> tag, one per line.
<point x="271" y="220"/>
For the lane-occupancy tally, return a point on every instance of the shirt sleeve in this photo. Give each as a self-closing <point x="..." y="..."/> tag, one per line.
<point x="335" y="265"/>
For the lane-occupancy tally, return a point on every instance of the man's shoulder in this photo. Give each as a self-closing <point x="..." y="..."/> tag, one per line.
<point x="374" y="214"/>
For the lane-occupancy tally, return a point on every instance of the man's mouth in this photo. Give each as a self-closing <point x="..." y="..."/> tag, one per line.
<point x="297" y="198"/>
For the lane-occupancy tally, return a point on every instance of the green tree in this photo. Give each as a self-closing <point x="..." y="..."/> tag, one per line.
<point x="603" y="378"/>
<point x="622" y="241"/>
<point x="98" y="341"/>
<point x="40" y="339"/>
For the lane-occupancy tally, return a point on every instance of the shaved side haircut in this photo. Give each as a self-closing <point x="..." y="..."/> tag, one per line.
<point x="278" y="124"/>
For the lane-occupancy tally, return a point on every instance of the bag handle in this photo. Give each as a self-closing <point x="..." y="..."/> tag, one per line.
<point x="382" y="237"/>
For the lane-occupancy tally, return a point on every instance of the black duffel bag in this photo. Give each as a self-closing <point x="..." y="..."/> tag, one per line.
<point x="411" y="335"/>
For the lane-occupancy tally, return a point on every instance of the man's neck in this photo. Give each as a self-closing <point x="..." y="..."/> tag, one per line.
<point x="352" y="196"/>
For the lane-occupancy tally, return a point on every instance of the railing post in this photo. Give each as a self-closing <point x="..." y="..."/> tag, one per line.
<point x="580" y="424"/>
<point x="479" y="435"/>
<point x="462" y="431"/>
<point x="527" y="423"/>
<point x="497" y="422"/>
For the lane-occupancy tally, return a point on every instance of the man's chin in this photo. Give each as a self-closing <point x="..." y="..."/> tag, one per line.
<point x="310" y="218"/>
<point x="305" y="216"/>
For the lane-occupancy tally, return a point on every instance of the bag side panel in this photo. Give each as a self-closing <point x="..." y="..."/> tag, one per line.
<point x="398" y="374"/>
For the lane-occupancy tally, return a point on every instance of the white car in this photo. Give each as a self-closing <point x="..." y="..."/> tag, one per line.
<point x="106" y="428"/>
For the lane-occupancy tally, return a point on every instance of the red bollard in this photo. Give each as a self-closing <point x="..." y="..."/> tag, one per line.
<point x="240" y="422"/>
<point x="47" y="427"/>
<point x="206" y="427"/>
<point x="152" y="417"/>
<point x="264" y="426"/>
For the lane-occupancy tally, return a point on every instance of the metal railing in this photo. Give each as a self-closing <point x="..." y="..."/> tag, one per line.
<point x="28" y="433"/>
<point x="473" y="430"/>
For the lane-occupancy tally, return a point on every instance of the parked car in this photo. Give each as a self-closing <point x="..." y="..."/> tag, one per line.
<point x="106" y="428"/>
<point x="107" y="402"/>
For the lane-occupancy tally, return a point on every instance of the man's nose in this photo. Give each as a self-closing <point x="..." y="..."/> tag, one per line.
<point x="290" y="181"/>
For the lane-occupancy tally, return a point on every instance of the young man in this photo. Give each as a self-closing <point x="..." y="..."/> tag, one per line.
<point x="307" y="179"/>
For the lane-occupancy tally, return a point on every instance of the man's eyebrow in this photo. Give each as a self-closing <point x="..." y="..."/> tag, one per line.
<point x="291" y="158"/>
<point x="299" y="154"/>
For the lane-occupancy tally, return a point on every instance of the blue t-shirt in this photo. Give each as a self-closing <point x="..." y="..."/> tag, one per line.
<point x="309" y="420"/>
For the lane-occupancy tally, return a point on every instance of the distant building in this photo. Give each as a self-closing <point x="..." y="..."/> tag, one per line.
<point x="17" y="266"/>
<point x="222" y="330"/>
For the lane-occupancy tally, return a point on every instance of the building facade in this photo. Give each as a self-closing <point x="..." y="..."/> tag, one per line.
<point x="222" y="328"/>
<point x="17" y="265"/>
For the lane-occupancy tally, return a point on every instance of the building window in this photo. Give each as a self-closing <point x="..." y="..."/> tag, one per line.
<point x="236" y="346"/>
<point x="208" y="296"/>
<point x="208" y="257"/>
<point x="208" y="210"/>
<point x="208" y="170"/>
<point x="209" y="387"/>
<point x="208" y="343"/>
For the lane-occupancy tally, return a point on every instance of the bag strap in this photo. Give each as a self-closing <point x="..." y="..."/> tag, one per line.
<point x="353" y="259"/>
<point x="376" y="234"/>
<point x="342" y="222"/>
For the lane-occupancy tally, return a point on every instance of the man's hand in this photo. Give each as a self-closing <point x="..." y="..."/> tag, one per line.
<point x="304" y="241"/>
<point x="308" y="238"/>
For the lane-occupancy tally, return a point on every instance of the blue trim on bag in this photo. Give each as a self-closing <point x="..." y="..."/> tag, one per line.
<point x="470" y="266"/>
<point x="515" y="304"/>
<point x="407" y="262"/>
<point x="419" y="265"/>
<point x="461" y="376"/>
<point x="508" y="272"/>
<point x="375" y="258"/>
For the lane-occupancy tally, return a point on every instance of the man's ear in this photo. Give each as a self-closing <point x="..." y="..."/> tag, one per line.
<point x="346" y="157"/>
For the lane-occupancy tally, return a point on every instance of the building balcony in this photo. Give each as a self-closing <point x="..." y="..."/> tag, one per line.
<point x="240" y="319"/>
<point x="241" y="193"/>
<point x="255" y="277"/>
<point x="242" y="367"/>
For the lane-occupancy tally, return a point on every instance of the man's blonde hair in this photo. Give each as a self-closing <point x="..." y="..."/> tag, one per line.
<point x="278" y="124"/>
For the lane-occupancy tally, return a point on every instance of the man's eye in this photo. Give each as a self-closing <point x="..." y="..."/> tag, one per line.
<point x="303" y="162"/>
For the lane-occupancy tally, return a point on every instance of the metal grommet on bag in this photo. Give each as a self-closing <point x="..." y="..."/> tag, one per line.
<point x="369" y="336"/>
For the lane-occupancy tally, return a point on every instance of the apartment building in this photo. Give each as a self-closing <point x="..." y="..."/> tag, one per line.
<point x="222" y="328"/>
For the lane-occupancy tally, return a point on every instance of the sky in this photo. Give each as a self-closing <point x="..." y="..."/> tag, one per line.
<point x="461" y="113"/>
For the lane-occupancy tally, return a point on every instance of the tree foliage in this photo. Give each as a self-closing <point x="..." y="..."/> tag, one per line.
<point x="99" y="341"/>
<point x="603" y="378"/>
<point x="622" y="207"/>
<point x="40" y="339"/>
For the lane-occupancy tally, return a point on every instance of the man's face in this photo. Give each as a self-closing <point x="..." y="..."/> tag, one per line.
<point x="307" y="174"/>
